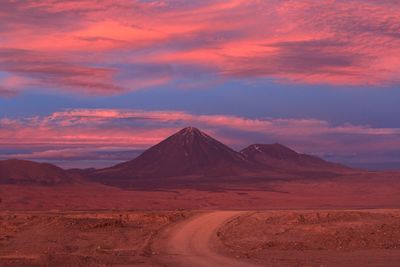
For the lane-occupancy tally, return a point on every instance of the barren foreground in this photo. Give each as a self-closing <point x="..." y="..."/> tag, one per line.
<point x="315" y="238"/>
<point x="194" y="242"/>
<point x="81" y="238"/>
<point x="217" y="238"/>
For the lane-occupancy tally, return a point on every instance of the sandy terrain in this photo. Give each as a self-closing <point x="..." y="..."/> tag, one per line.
<point x="119" y="230"/>
<point x="197" y="239"/>
<point x="315" y="238"/>
<point x="81" y="238"/>
<point x="359" y="191"/>
<point x="192" y="242"/>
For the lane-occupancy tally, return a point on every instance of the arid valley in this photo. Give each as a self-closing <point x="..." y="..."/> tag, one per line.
<point x="264" y="206"/>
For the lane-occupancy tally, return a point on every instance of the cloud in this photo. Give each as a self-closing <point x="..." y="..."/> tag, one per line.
<point x="40" y="70"/>
<point x="6" y="92"/>
<point x="75" y="154"/>
<point x="117" y="46"/>
<point x="113" y="134"/>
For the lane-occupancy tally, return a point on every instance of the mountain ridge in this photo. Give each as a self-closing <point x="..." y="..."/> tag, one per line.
<point x="191" y="152"/>
<point x="187" y="153"/>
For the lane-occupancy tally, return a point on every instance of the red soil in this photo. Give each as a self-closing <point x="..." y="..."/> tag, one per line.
<point x="373" y="190"/>
<point x="315" y="238"/>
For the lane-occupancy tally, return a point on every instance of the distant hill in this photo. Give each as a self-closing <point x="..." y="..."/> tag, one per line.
<point x="280" y="157"/>
<point x="27" y="172"/>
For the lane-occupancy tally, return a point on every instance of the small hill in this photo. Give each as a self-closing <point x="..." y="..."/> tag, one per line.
<point x="27" y="172"/>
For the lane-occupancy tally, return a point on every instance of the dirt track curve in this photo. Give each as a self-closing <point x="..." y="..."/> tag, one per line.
<point x="190" y="243"/>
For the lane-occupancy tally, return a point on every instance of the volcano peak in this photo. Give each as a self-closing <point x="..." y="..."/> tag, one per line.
<point x="187" y="152"/>
<point x="190" y="129"/>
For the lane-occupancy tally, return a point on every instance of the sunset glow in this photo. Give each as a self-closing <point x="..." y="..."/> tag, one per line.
<point x="105" y="80"/>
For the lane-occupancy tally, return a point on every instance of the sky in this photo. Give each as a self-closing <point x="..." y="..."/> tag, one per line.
<point x="93" y="83"/>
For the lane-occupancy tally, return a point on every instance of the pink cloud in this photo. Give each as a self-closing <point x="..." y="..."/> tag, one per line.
<point x="36" y="69"/>
<point x="101" y="133"/>
<point x="79" y="46"/>
<point x="6" y="92"/>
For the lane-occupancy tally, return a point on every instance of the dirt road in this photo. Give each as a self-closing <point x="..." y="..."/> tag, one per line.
<point x="190" y="243"/>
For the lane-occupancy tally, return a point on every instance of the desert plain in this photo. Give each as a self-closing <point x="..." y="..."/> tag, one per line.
<point x="321" y="222"/>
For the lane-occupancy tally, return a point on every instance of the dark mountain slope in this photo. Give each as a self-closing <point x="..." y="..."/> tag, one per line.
<point x="188" y="152"/>
<point x="277" y="156"/>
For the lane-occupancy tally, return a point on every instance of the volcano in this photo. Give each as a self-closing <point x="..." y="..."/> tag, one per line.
<point x="189" y="152"/>
<point x="192" y="153"/>
<point x="15" y="171"/>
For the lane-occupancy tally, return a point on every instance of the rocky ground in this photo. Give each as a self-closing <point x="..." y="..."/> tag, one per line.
<point x="268" y="238"/>
<point x="81" y="238"/>
<point x="315" y="238"/>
